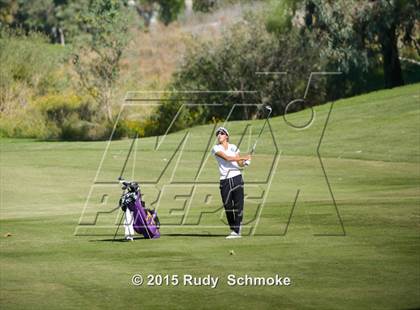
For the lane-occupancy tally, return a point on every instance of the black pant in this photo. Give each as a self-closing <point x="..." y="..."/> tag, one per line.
<point x="232" y="191"/>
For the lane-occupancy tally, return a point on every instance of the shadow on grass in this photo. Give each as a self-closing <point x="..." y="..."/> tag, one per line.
<point x="162" y="236"/>
<point x="194" y="235"/>
<point x="116" y="240"/>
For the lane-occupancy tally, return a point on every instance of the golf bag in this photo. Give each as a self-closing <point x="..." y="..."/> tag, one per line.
<point x="145" y="221"/>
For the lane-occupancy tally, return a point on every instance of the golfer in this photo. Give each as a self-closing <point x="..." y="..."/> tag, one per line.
<point x="231" y="182"/>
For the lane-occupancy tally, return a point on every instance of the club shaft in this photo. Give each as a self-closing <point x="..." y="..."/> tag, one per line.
<point x="118" y="227"/>
<point x="261" y="131"/>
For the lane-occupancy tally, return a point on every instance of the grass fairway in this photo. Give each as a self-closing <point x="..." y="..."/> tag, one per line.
<point x="370" y="152"/>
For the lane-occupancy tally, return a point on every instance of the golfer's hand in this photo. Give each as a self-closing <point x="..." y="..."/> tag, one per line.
<point x="246" y="157"/>
<point x="247" y="160"/>
<point x="244" y="160"/>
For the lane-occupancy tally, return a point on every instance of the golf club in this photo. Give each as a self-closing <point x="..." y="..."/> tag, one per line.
<point x="267" y="107"/>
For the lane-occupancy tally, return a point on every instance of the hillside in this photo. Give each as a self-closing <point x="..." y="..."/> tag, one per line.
<point x="342" y="225"/>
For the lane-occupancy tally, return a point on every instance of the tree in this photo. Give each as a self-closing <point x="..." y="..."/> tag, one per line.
<point x="204" y="5"/>
<point x="168" y="10"/>
<point x="55" y="18"/>
<point x="231" y="64"/>
<point x="356" y="33"/>
<point x="374" y="28"/>
<point x="98" y="60"/>
<point x="384" y="23"/>
<point x="8" y="9"/>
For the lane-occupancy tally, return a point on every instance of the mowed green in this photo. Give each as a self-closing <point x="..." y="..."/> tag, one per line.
<point x="370" y="151"/>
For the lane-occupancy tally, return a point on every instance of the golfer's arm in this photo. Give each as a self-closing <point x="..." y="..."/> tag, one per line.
<point x="227" y="157"/>
<point x="240" y="160"/>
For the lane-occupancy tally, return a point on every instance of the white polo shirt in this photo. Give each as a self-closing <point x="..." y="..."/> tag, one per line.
<point x="227" y="169"/>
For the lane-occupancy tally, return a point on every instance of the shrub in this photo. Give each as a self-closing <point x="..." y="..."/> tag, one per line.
<point x="232" y="65"/>
<point x="29" y="59"/>
<point x="30" y="68"/>
<point x="68" y="116"/>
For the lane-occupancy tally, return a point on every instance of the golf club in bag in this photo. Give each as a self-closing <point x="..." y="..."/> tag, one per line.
<point x="269" y="109"/>
<point x="145" y="221"/>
